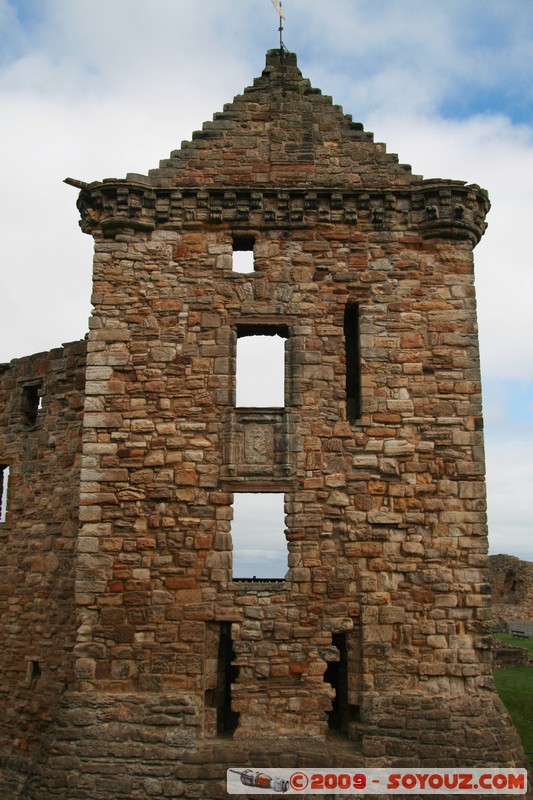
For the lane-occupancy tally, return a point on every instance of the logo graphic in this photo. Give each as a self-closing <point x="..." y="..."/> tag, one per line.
<point x="258" y="780"/>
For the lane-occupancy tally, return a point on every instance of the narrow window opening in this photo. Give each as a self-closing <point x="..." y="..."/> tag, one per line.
<point x="227" y="673"/>
<point x="258" y="536"/>
<point x="353" y="362"/>
<point x="4" y="480"/>
<point x="343" y="713"/>
<point x="33" y="673"/>
<point x="32" y="403"/>
<point x="260" y="372"/>
<point x="243" y="254"/>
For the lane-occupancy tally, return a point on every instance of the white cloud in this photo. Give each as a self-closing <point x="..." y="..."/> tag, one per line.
<point x="508" y="413"/>
<point x="414" y="55"/>
<point x="509" y="487"/>
<point x="497" y="155"/>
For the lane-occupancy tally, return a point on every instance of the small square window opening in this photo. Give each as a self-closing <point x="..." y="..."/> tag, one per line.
<point x="243" y="254"/>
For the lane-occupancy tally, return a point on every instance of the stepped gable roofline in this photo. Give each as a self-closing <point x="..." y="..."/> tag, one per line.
<point x="282" y="136"/>
<point x="281" y="131"/>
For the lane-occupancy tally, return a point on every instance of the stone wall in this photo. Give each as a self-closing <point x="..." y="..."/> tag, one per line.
<point x="511" y="582"/>
<point x="374" y="648"/>
<point x="385" y="512"/>
<point x="506" y="656"/>
<point x="42" y="447"/>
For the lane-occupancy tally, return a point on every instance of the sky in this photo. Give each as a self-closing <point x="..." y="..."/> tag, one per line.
<point x="95" y="90"/>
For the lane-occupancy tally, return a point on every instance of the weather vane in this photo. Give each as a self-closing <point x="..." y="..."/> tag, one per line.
<point x="277" y="6"/>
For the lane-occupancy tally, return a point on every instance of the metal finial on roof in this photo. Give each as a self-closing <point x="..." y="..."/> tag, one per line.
<point x="277" y="6"/>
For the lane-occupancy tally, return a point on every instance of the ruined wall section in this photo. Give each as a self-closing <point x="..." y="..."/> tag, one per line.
<point x="386" y="517"/>
<point x="41" y="405"/>
<point x="511" y="581"/>
<point x="384" y="513"/>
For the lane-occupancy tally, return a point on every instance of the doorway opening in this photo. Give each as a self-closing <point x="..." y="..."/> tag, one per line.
<point x="343" y="713"/>
<point x="227" y="673"/>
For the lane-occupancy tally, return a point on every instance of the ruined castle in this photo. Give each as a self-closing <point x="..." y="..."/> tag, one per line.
<point x="511" y="583"/>
<point x="135" y="662"/>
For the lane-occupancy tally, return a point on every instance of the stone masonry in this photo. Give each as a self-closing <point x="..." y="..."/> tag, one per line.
<point x="511" y="581"/>
<point x="134" y="664"/>
<point x="42" y="447"/>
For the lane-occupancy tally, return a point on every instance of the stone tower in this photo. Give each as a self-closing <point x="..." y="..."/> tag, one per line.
<point x="373" y="647"/>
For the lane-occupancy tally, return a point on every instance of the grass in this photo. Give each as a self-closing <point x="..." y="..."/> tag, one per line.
<point x="515" y="687"/>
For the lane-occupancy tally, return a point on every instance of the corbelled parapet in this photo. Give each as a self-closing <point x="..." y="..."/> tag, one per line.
<point x="432" y="209"/>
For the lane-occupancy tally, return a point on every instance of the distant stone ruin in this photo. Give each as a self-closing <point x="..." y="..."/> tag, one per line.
<point x="134" y="662"/>
<point x="511" y="581"/>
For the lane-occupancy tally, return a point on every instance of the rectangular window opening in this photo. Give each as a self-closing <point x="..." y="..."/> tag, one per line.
<point x="258" y="536"/>
<point x="33" y="673"/>
<point x="260" y="371"/>
<point x="32" y="401"/>
<point x="4" y="480"/>
<point x="353" y="362"/>
<point x="342" y="713"/>
<point x="243" y="254"/>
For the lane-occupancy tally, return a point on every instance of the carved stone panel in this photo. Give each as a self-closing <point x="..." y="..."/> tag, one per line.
<point x="258" y="443"/>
